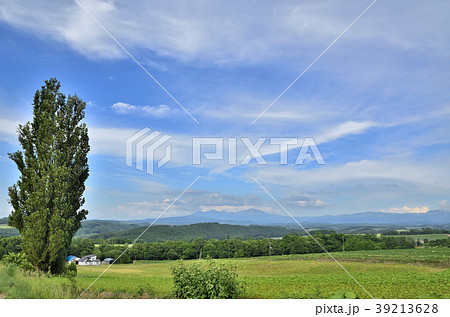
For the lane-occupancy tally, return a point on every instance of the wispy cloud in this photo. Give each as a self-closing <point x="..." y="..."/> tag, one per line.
<point x="219" y="31"/>
<point x="160" y="111"/>
<point x="407" y="210"/>
<point x="344" y="129"/>
<point x="194" y="201"/>
<point x="8" y="130"/>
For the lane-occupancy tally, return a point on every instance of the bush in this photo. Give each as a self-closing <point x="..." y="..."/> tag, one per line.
<point x="71" y="270"/>
<point x="18" y="259"/>
<point x="212" y="281"/>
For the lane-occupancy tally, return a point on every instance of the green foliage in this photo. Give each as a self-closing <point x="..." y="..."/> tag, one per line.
<point x="18" y="259"/>
<point x="237" y="248"/>
<point x="92" y="227"/>
<point x="53" y="168"/>
<point x="124" y="259"/>
<point x="162" y="233"/>
<point x="342" y="294"/>
<point x="72" y="269"/>
<point x="81" y="247"/>
<point x="10" y="244"/>
<point x="214" y="281"/>
<point x="384" y="273"/>
<point x="15" y="283"/>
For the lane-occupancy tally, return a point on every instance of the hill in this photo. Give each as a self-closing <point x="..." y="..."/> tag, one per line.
<point x="6" y="231"/>
<point x="201" y="230"/>
<point x="91" y="227"/>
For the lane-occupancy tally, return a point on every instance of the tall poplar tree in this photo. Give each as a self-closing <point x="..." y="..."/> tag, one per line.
<point x="53" y="168"/>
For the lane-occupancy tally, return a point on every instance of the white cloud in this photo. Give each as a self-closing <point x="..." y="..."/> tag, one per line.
<point x="310" y="203"/>
<point x="110" y="141"/>
<point x="343" y="130"/>
<point x="222" y="31"/>
<point x="192" y="201"/>
<point x="8" y="130"/>
<point x="443" y="204"/>
<point x="236" y="208"/>
<point x="407" y="210"/>
<point x="429" y="177"/>
<point x="160" y="111"/>
<point x="122" y="107"/>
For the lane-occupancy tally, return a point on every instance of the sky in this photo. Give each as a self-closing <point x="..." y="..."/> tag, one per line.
<point x="376" y="102"/>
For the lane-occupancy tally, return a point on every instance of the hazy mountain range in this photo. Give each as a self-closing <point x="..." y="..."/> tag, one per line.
<point x="258" y="217"/>
<point x="365" y="222"/>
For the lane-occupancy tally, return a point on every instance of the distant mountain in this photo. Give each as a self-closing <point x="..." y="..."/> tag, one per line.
<point x="258" y="217"/>
<point x="245" y="217"/>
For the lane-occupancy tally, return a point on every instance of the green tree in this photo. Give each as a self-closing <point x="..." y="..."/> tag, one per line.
<point x="86" y="247"/>
<point x="53" y="168"/>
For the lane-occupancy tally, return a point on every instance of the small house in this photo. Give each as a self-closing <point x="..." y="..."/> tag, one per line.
<point x="90" y="259"/>
<point x="72" y="258"/>
<point x="108" y="261"/>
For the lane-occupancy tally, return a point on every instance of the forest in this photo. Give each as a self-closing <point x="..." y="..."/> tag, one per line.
<point x="237" y="248"/>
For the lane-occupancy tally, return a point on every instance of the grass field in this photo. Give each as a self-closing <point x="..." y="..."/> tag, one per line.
<point x="431" y="236"/>
<point x="407" y="273"/>
<point x="384" y="273"/>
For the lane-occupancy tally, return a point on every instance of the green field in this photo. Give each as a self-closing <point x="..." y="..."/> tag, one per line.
<point x="408" y="273"/>
<point x="430" y="236"/>
<point x="384" y="273"/>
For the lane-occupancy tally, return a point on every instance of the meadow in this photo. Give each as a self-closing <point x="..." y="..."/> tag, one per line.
<point x="411" y="273"/>
<point x="384" y="273"/>
<point x="430" y="236"/>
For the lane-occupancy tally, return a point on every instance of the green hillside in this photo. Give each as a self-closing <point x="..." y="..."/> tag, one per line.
<point x="194" y="231"/>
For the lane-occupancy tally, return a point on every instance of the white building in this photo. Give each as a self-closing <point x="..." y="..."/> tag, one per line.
<point x="90" y="259"/>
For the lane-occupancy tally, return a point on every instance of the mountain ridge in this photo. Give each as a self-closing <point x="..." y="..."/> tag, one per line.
<point x="259" y="217"/>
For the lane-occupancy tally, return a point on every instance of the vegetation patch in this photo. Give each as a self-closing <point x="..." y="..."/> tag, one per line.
<point x="211" y="281"/>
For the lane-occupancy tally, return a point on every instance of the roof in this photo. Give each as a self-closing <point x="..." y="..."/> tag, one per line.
<point x="70" y="258"/>
<point x="87" y="257"/>
<point x="108" y="259"/>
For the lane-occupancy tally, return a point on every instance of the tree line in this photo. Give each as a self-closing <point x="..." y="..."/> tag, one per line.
<point x="235" y="248"/>
<point x="230" y="248"/>
<point x="416" y="232"/>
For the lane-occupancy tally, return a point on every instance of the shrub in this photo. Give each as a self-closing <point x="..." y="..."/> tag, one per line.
<point x="212" y="281"/>
<point x="18" y="259"/>
<point x="71" y="269"/>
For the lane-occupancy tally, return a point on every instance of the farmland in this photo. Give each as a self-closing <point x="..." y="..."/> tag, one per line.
<point x="430" y="237"/>
<point x="384" y="273"/>
<point x="407" y="273"/>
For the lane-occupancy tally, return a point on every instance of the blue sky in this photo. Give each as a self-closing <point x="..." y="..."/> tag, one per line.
<point x="376" y="103"/>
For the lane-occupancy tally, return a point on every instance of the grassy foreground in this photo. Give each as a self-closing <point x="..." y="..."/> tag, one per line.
<point x="384" y="273"/>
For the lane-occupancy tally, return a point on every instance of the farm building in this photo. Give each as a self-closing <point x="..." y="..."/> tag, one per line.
<point x="90" y="259"/>
<point x="108" y="261"/>
<point x="72" y="258"/>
